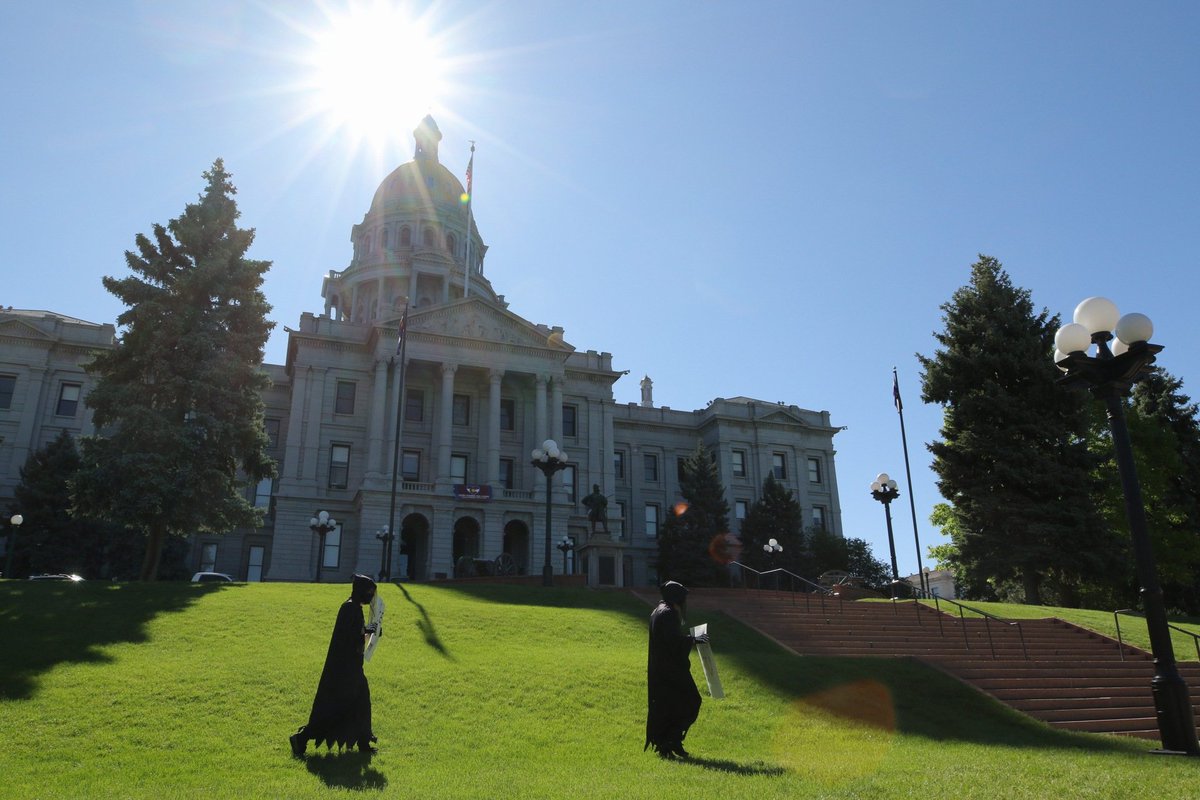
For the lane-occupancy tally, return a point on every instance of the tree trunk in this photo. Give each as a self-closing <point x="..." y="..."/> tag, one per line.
<point x="154" y="545"/>
<point x="1032" y="583"/>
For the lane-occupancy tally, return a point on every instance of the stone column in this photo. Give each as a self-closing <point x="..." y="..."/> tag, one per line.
<point x="375" y="443"/>
<point x="540" y="432"/>
<point x="379" y="306"/>
<point x="445" y="429"/>
<point x="31" y="416"/>
<point x="294" y="449"/>
<point x="495" y="378"/>
<point x="556" y="404"/>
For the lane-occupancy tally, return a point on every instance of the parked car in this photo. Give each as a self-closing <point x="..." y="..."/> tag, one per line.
<point x="212" y="577"/>
<point x="56" y="577"/>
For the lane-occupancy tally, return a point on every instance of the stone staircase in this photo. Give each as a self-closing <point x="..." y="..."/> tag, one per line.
<point x="1052" y="670"/>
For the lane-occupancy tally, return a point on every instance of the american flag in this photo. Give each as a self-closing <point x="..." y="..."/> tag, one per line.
<point x="896" y="392"/>
<point x="470" y="167"/>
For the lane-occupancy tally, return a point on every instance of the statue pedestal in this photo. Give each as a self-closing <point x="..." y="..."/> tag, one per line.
<point x="605" y="559"/>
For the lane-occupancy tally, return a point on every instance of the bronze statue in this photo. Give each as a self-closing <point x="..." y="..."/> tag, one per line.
<point x="597" y="506"/>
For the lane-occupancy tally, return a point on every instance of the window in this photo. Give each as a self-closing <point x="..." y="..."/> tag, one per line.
<point x="818" y="517"/>
<point x="410" y="465"/>
<point x="649" y="467"/>
<point x="679" y="469"/>
<point x="414" y="405"/>
<point x="458" y="468"/>
<point x="619" y="465"/>
<point x="383" y="238"/>
<point x="7" y="384"/>
<point x="344" y="402"/>
<point x="651" y="520"/>
<point x="508" y="414"/>
<point x="333" y="548"/>
<point x="617" y="525"/>
<point x="254" y="563"/>
<point x="739" y="463"/>
<point x="427" y="236"/>
<point x="263" y="492"/>
<point x="461" y="414"/>
<point x="271" y="426"/>
<point x="339" y="466"/>
<point x="451" y="243"/>
<point x="814" y="470"/>
<point x="506" y="473"/>
<point x="68" y="400"/>
<point x="739" y="509"/>
<point x="568" y="474"/>
<point x="406" y="236"/>
<point x="208" y="557"/>
<point x="568" y="428"/>
<point x="779" y="466"/>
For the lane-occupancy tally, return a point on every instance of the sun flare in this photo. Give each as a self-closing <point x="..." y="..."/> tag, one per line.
<point x="375" y="69"/>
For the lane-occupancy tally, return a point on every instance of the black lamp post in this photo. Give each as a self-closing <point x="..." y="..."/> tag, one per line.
<point x="549" y="459"/>
<point x="14" y="522"/>
<point x="1110" y="374"/>
<point x="566" y="546"/>
<point x="321" y="525"/>
<point x="884" y="490"/>
<point x="385" y="565"/>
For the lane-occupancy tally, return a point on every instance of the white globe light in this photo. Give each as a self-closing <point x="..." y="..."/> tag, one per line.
<point x="882" y="478"/>
<point x="1134" y="327"/>
<point x="773" y="542"/>
<point x="549" y="445"/>
<point x="1119" y="347"/>
<point x="16" y="519"/>
<point x="891" y="484"/>
<point x="539" y="454"/>
<point x="1059" y="358"/>
<point x="312" y="523"/>
<point x="876" y="486"/>
<point x="1097" y="314"/>
<point x="1073" y="338"/>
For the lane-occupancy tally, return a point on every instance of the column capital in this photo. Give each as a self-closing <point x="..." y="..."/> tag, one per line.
<point x="495" y="375"/>
<point x="449" y="369"/>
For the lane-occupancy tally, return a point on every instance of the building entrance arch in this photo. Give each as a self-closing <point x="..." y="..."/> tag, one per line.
<point x="516" y="544"/>
<point x="466" y="540"/>
<point x="414" y="548"/>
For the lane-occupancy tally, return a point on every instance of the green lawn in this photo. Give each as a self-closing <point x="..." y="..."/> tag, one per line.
<point x="190" y="691"/>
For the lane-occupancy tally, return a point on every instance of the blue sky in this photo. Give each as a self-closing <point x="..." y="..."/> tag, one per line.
<point x="768" y="199"/>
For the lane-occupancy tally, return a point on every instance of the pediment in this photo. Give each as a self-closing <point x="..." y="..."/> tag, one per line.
<point x="781" y="416"/>
<point x="22" y="329"/>
<point x="477" y="320"/>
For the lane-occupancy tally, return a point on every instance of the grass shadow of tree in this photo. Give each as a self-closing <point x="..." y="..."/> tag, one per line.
<point x="349" y="769"/>
<point x="44" y="624"/>
<point x="425" y="625"/>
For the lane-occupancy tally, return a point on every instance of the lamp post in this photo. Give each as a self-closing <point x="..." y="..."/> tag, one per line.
<point x="14" y="522"/>
<point x="321" y="525"/>
<point x="549" y="459"/>
<point x="772" y="548"/>
<point x="1109" y="374"/>
<point x="385" y="536"/>
<point x="884" y="490"/>
<point x="565" y="546"/>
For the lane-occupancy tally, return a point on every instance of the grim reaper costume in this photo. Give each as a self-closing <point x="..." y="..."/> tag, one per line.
<point x="341" y="711"/>
<point x="673" y="700"/>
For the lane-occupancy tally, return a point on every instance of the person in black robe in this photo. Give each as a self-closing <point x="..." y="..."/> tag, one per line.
<point x="673" y="700"/>
<point x="341" y="710"/>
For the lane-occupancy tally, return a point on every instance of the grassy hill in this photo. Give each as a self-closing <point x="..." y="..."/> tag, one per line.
<point x="190" y="691"/>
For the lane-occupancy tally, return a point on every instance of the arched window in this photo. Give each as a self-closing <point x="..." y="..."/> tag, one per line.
<point x="427" y="236"/>
<point x="406" y="236"/>
<point x="451" y="244"/>
<point x="383" y="238"/>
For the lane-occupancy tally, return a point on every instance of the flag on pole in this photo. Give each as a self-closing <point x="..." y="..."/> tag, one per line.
<point x="470" y="167"/>
<point x="896" y="391"/>
<point x="403" y="332"/>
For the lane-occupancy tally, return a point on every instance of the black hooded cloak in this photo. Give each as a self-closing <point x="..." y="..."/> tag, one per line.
<point x="341" y="710"/>
<point x="673" y="699"/>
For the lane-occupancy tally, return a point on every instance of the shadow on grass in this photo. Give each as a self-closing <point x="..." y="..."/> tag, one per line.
<point x="425" y="625"/>
<point x="896" y="695"/>
<point x="722" y="765"/>
<point x="350" y="769"/>
<point x="44" y="624"/>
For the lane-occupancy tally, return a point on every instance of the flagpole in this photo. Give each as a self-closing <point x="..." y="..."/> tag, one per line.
<point x="470" y="197"/>
<point x="912" y="502"/>
<point x="393" y="535"/>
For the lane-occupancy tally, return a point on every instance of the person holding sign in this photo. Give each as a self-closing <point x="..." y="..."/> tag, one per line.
<point x="341" y="710"/>
<point x="673" y="702"/>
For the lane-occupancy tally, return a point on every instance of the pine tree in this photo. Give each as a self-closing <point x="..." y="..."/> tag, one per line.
<point x="177" y="403"/>
<point x="774" y="515"/>
<point x="691" y="528"/>
<point x="1012" y="461"/>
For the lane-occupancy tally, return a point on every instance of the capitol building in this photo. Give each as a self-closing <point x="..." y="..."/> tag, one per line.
<point x="480" y="389"/>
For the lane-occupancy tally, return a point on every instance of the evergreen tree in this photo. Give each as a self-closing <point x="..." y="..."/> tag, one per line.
<point x="177" y="403"/>
<point x="1012" y="461"/>
<point x="774" y="515"/>
<point x="829" y="551"/>
<point x="691" y="528"/>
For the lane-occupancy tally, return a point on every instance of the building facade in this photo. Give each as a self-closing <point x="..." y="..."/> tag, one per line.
<point x="477" y="390"/>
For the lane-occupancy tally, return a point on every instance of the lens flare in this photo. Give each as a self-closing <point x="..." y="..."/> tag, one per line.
<point x="680" y="509"/>
<point x="725" y="548"/>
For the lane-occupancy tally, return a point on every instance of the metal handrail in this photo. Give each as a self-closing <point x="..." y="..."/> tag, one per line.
<point x="817" y="588"/>
<point x="987" y="624"/>
<point x="1131" y="612"/>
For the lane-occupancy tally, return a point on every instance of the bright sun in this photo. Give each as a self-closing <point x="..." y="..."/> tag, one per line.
<point x="375" y="70"/>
